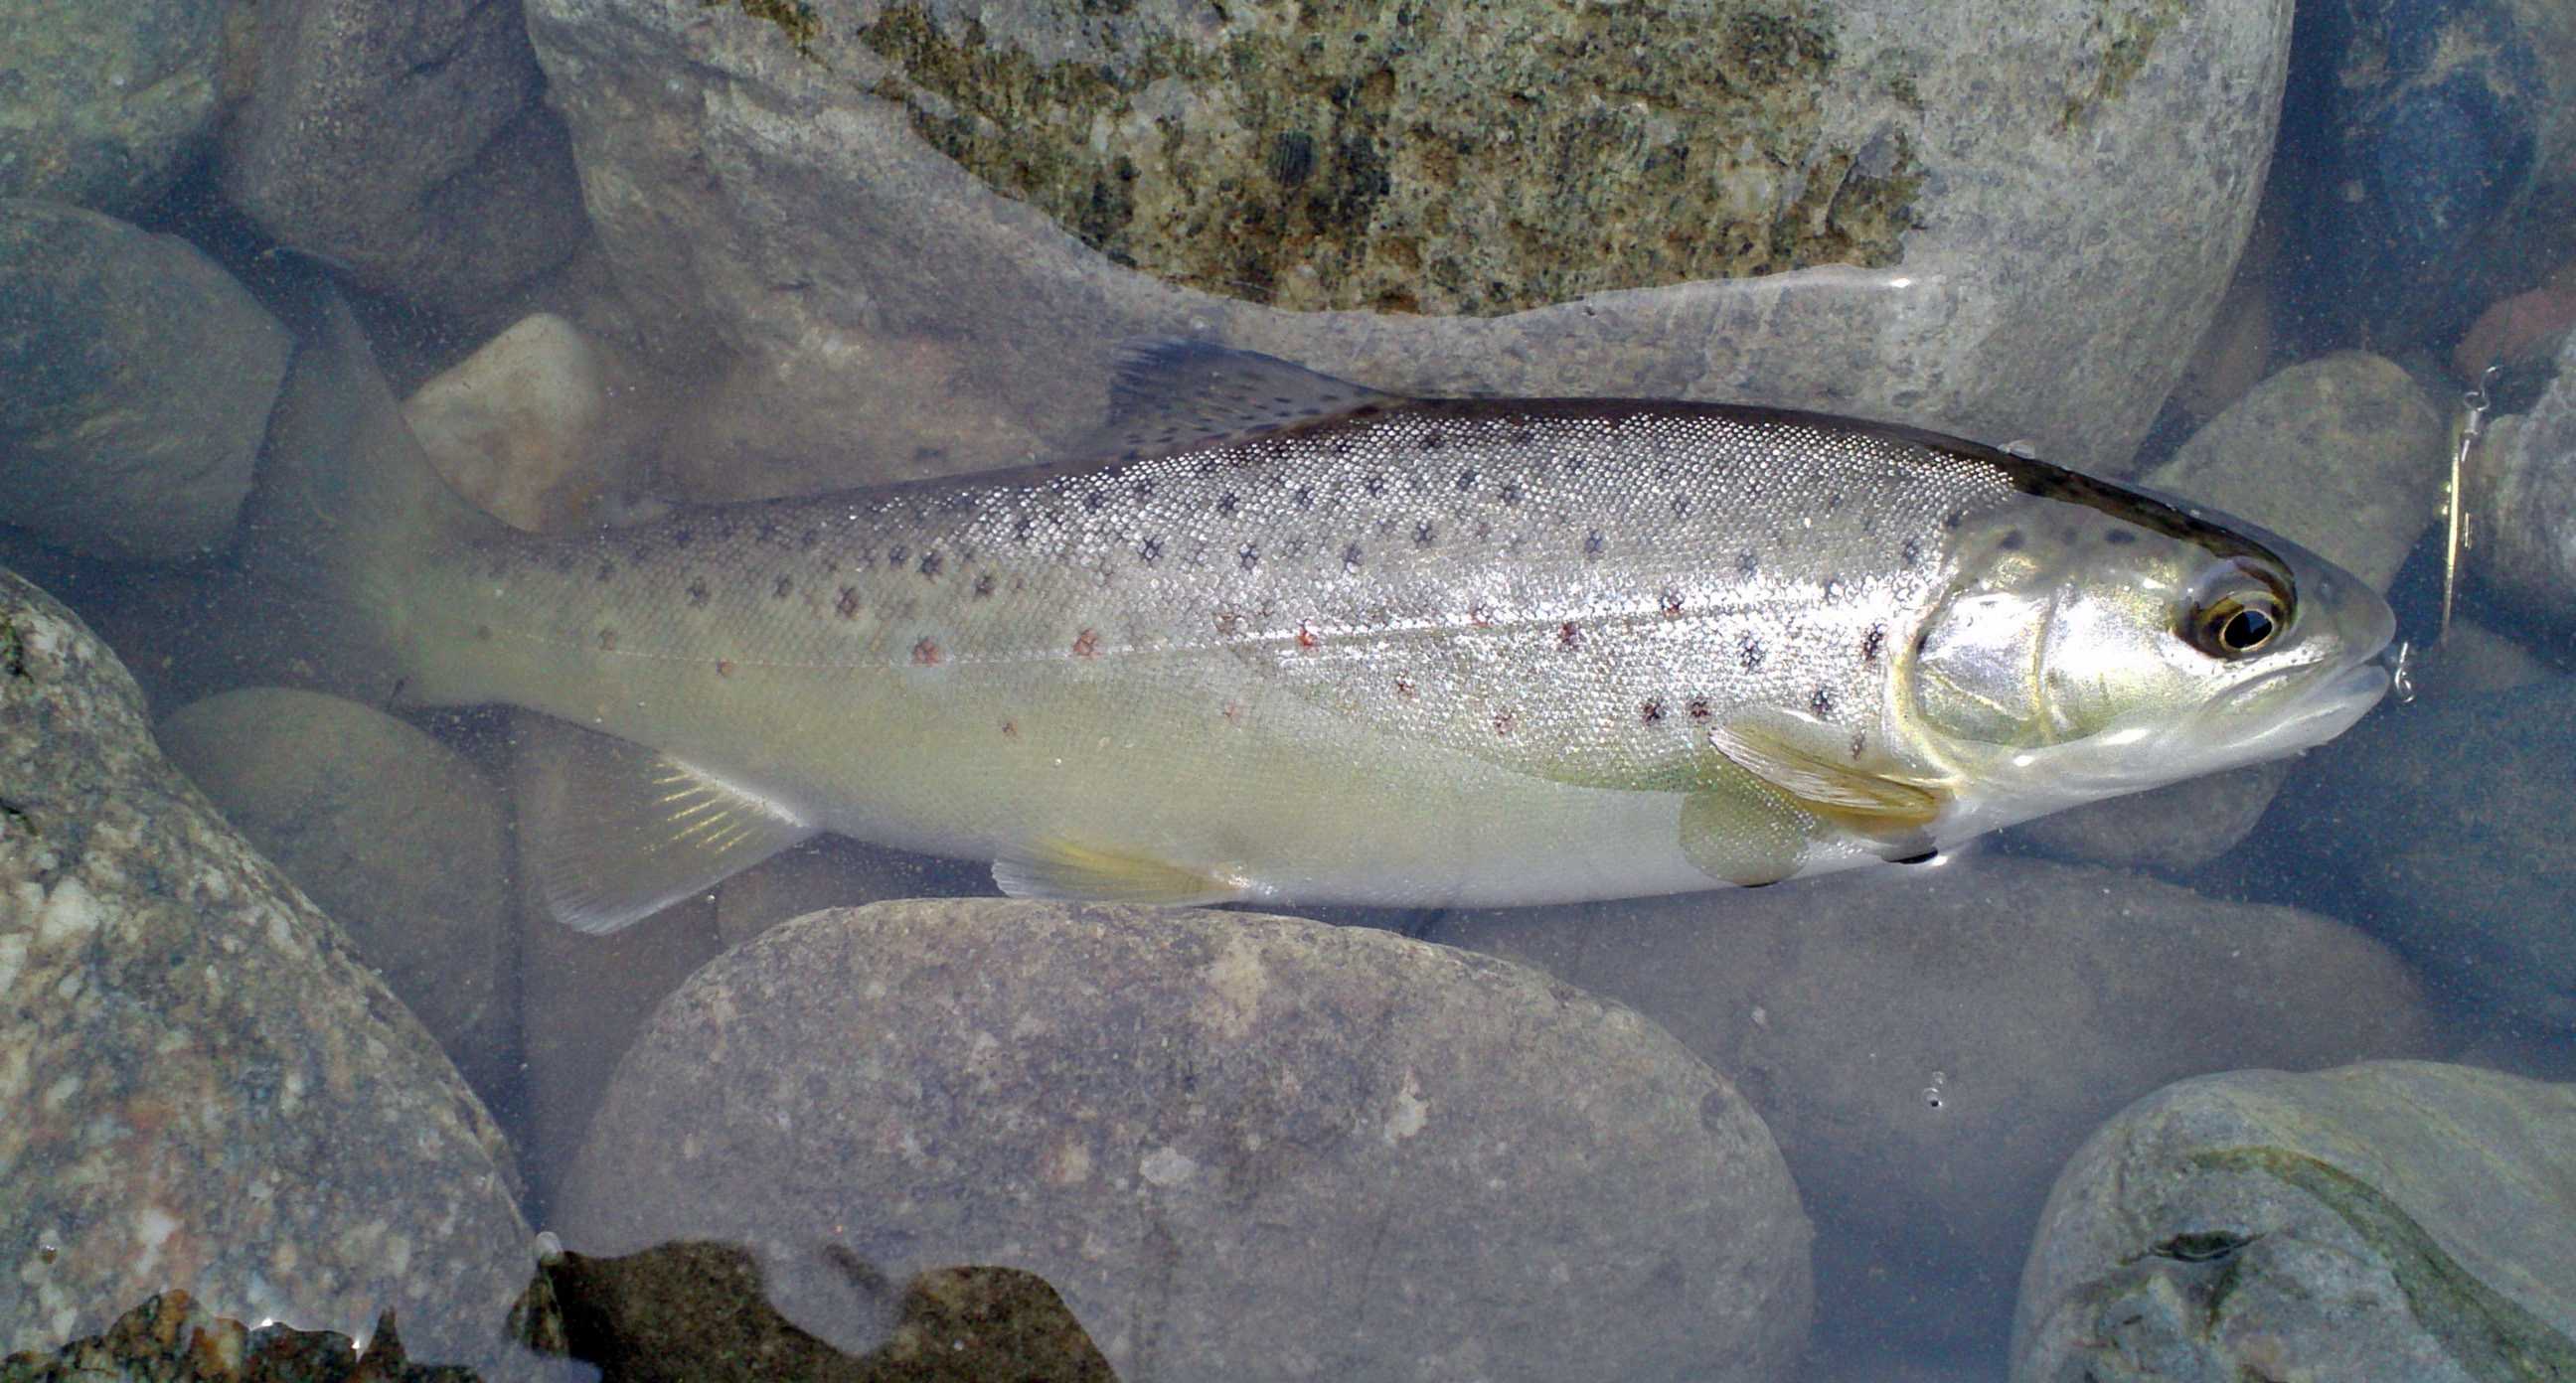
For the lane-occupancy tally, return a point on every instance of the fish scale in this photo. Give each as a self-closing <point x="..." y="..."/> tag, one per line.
<point x="1293" y="639"/>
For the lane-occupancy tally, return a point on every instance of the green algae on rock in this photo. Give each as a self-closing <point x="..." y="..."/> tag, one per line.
<point x="1369" y="154"/>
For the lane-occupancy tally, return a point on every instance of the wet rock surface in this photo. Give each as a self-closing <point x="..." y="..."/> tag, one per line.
<point x="2522" y="508"/>
<point x="1929" y="1047"/>
<point x="515" y="427"/>
<point x="1238" y="1146"/>
<point x="407" y="143"/>
<point x="140" y="378"/>
<point x="208" y="1089"/>
<point x="104" y="106"/>
<point x="929" y="226"/>
<point x="2445" y="832"/>
<point x="394" y="835"/>
<point x="2390" y="1220"/>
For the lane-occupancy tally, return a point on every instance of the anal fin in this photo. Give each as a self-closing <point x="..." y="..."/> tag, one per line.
<point x="614" y="831"/>
<point x="1084" y="874"/>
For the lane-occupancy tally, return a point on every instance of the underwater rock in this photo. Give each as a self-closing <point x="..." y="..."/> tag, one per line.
<point x="515" y="426"/>
<point x="2391" y="1220"/>
<point x="171" y="1339"/>
<point x="2521" y="487"/>
<point x="2430" y="174"/>
<point x="2445" y="831"/>
<point x="395" y="836"/>
<point x="1929" y="1044"/>
<point x="1239" y="1146"/>
<point x="2174" y="829"/>
<point x="207" y="1088"/>
<point x="106" y="106"/>
<point x="139" y="379"/>
<point x="408" y="145"/>
<point x="2343" y="455"/>
<point x="930" y="225"/>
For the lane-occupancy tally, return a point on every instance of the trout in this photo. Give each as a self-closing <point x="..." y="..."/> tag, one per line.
<point x="1273" y="636"/>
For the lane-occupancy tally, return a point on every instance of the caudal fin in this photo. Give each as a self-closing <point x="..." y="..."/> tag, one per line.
<point x="349" y="513"/>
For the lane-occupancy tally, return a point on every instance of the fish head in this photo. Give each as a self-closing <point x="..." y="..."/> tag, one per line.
<point x="2099" y="641"/>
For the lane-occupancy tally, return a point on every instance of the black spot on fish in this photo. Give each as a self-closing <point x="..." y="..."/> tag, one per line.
<point x="607" y="640"/>
<point x="1834" y="500"/>
<point x="698" y="593"/>
<point x="1574" y="466"/>
<point x="1511" y="493"/>
<point x="683" y="536"/>
<point x="1699" y="709"/>
<point x="607" y="571"/>
<point x="1150" y="551"/>
<point x="768" y="530"/>
<point x="1672" y="603"/>
<point x="1748" y="650"/>
<point x="1304" y="496"/>
<point x="809" y="539"/>
<point x="1249" y="557"/>
<point x="1226" y="503"/>
<point x="1568" y="635"/>
<point x="897" y="555"/>
<point x="983" y="585"/>
<point x="1375" y="485"/>
<point x="1593" y="543"/>
<point x="2010" y="541"/>
<point x="1466" y="481"/>
<point x="1746" y="564"/>
<point x="780" y="589"/>
<point x="1423" y="534"/>
<point x="1822" y="703"/>
<point x="931" y="562"/>
<point x="1859" y="744"/>
<point x="1522" y="437"/>
<point x="1954" y="518"/>
<point x="2119" y="536"/>
<point x="1094" y="500"/>
<point x="1296" y="547"/>
<point x="1351" y="558"/>
<point x="1871" y="642"/>
<point x="1833" y="589"/>
<point x="1021" y="530"/>
<point x="1681" y="506"/>
<point x="1652" y="713"/>
<point x="1431" y="441"/>
<point x="1912" y="553"/>
<point x="1144" y="489"/>
<point x="848" y="605"/>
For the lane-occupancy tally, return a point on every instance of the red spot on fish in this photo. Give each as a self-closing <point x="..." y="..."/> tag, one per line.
<point x="1505" y="722"/>
<point x="607" y="640"/>
<point x="724" y="667"/>
<point x="1227" y="621"/>
<point x="1652" y="712"/>
<point x="1086" y="644"/>
<point x="1234" y="713"/>
<point x="1567" y="636"/>
<point x="1672" y="604"/>
<point x="483" y="631"/>
<point x="925" y="654"/>
<point x="848" y="607"/>
<point x="1480" y="617"/>
<point x="1010" y="729"/>
<point x="1404" y="688"/>
<point x="1306" y="638"/>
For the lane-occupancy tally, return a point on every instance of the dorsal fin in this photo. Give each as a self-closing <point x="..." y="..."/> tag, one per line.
<point x="1174" y="395"/>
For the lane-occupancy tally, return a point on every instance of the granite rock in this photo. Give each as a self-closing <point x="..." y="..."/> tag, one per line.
<point x="406" y="143"/>
<point x="1238" y="1146"/>
<point x="927" y="226"/>
<point x="105" y="106"/>
<point x="140" y="379"/>
<point x="397" y="837"/>
<point x="1930" y="1044"/>
<point x="2521" y="490"/>
<point x="208" y="1089"/>
<point x="2390" y="1220"/>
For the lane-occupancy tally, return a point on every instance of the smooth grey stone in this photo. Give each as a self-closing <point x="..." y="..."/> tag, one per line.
<point x="138" y="381"/>
<point x="1930" y="1042"/>
<point x="206" y="1086"/>
<point x="1240" y="1147"/>
<point x="2175" y="829"/>
<point x="407" y="144"/>
<point x="854" y="241"/>
<point x="2443" y="827"/>
<point x="2397" y="1220"/>
<point x="2522" y="510"/>
<point x="106" y="105"/>
<point x="400" y="841"/>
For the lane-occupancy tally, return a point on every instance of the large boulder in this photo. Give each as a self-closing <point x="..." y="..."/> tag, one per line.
<point x="2399" y="1220"/>
<point x="928" y="225"/>
<point x="105" y="106"/>
<point x="1240" y="1147"/>
<point x="1930" y="1044"/>
<point x="206" y="1087"/>
<point x="139" y="379"/>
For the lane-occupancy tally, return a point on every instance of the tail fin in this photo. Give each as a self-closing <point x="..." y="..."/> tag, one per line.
<point x="349" y="513"/>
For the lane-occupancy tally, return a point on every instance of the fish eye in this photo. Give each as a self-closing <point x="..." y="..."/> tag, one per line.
<point x="2238" y="613"/>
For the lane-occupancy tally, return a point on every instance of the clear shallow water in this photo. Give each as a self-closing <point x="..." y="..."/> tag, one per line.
<point x="1925" y="1049"/>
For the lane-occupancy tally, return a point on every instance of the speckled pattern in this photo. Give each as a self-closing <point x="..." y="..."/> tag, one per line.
<point x="204" y="1088"/>
<point x="1241" y="1147"/>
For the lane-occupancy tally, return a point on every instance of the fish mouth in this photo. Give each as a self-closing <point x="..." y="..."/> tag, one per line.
<point x="2326" y="710"/>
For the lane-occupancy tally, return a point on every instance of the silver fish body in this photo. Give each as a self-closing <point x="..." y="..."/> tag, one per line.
<point x="1331" y="646"/>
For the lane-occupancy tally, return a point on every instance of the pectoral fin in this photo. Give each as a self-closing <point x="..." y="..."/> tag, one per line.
<point x="1806" y="762"/>
<point x="1084" y="874"/>
<point x="613" y="831"/>
<point x="1741" y="836"/>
